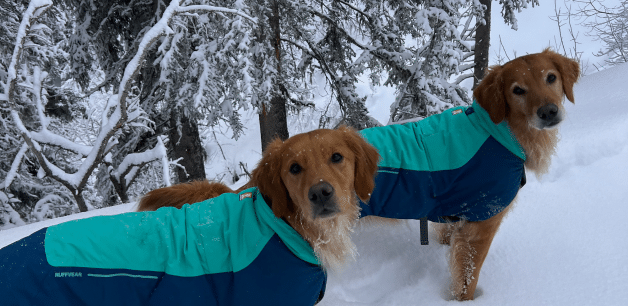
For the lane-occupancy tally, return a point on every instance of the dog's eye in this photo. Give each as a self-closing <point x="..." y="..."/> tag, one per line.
<point x="551" y="78"/>
<point x="295" y="168"/>
<point x="518" y="91"/>
<point x="336" y="158"/>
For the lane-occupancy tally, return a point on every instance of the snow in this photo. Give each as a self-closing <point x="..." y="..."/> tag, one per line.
<point x="208" y="8"/>
<point x="14" y="166"/>
<point x="564" y="243"/>
<point x="43" y="205"/>
<point x="38" y="77"/>
<point x="165" y="163"/>
<point x="45" y="136"/>
<point x="35" y="8"/>
<point x="135" y="159"/>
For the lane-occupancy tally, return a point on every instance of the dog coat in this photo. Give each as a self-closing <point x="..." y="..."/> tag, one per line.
<point x="450" y="166"/>
<point x="229" y="250"/>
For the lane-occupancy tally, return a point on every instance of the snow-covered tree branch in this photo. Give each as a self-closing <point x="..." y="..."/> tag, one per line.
<point x="120" y="112"/>
<point x="124" y="175"/>
<point x="92" y="90"/>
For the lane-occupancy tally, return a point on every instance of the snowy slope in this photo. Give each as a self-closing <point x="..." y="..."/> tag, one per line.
<point x="564" y="243"/>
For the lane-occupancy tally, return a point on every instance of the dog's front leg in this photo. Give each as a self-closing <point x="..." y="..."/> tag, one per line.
<point x="470" y="242"/>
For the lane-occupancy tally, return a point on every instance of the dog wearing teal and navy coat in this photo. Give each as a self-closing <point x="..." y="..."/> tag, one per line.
<point x="267" y="245"/>
<point x="463" y="168"/>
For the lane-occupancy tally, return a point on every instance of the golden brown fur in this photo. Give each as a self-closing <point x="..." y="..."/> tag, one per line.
<point x="530" y="72"/>
<point x="319" y="201"/>
<point x="533" y="121"/>
<point x="181" y="194"/>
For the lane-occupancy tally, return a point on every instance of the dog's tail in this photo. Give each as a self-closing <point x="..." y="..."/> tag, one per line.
<point x="181" y="194"/>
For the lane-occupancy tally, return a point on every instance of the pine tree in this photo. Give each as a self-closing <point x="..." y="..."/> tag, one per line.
<point x="70" y="152"/>
<point x="26" y="191"/>
<point x="107" y="88"/>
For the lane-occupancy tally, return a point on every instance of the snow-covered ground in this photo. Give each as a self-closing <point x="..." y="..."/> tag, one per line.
<point x="565" y="242"/>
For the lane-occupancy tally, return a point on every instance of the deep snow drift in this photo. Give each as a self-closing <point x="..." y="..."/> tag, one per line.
<point x="565" y="242"/>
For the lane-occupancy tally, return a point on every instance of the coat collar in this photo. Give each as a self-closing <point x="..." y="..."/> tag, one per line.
<point x="501" y="132"/>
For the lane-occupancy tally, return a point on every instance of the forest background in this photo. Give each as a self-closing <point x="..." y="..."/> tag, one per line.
<point x="103" y="101"/>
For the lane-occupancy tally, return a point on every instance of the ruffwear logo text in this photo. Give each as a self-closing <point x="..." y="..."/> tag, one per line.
<point x="68" y="274"/>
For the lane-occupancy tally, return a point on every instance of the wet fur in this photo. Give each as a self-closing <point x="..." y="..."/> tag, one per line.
<point x="470" y="241"/>
<point x="287" y="193"/>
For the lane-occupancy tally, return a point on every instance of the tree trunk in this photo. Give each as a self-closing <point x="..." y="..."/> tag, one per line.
<point x="185" y="142"/>
<point x="272" y="117"/>
<point x="273" y="122"/>
<point x="78" y="197"/>
<point x="121" y="189"/>
<point x="482" y="45"/>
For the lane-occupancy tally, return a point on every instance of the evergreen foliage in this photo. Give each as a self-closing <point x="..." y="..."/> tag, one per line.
<point x="106" y="80"/>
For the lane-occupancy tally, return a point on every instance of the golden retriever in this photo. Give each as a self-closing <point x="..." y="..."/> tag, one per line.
<point x="528" y="94"/>
<point x="312" y="181"/>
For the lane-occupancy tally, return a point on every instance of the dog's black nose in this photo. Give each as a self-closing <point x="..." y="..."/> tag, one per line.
<point x="321" y="192"/>
<point x="547" y="112"/>
<point x="323" y="200"/>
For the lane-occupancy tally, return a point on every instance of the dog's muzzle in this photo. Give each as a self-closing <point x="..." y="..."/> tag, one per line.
<point x="323" y="200"/>
<point x="549" y="116"/>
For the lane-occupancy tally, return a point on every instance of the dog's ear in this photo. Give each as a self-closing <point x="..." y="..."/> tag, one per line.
<point x="366" y="159"/>
<point x="569" y="71"/>
<point x="490" y="94"/>
<point x="267" y="178"/>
